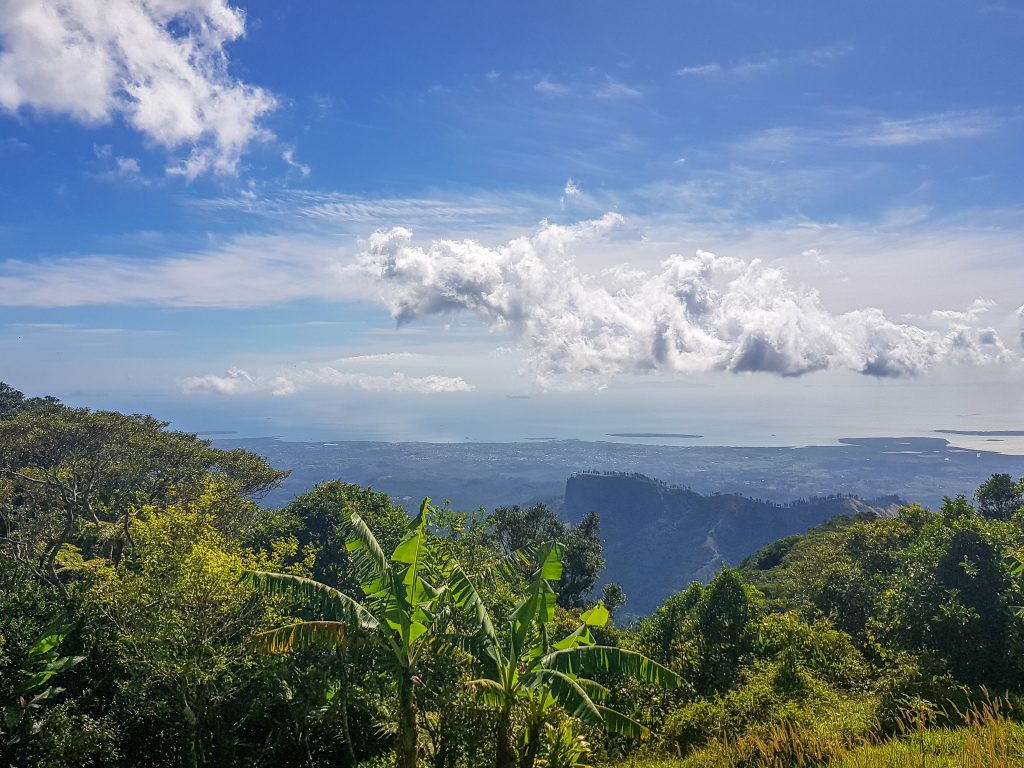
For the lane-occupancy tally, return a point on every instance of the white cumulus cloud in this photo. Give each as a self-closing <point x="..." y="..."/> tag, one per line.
<point x="697" y="313"/>
<point x="1020" y="320"/>
<point x="161" y="65"/>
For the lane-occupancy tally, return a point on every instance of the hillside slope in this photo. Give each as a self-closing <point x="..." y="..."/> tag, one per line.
<point x="658" y="538"/>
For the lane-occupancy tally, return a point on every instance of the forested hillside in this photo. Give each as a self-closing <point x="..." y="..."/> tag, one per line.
<point x="685" y="535"/>
<point x="154" y="613"/>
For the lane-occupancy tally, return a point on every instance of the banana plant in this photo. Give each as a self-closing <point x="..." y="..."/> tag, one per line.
<point x="1015" y="564"/>
<point x="525" y="668"/>
<point x="43" y="663"/>
<point x="399" y="612"/>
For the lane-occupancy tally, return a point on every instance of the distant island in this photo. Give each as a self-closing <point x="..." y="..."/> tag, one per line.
<point x="654" y="434"/>
<point x="983" y="433"/>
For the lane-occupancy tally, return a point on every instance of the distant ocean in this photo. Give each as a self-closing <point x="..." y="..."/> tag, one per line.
<point x="696" y="433"/>
<point x="745" y="423"/>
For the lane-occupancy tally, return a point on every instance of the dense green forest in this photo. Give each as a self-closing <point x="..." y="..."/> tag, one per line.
<point x="154" y="613"/>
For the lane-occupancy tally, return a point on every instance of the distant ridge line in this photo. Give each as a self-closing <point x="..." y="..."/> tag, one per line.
<point x="982" y="432"/>
<point x="678" y="435"/>
<point x="880" y="501"/>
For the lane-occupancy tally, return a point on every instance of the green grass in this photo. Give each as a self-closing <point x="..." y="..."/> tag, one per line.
<point x="991" y="741"/>
<point x="996" y="743"/>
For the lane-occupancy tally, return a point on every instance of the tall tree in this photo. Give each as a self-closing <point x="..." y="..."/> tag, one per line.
<point x="12" y="401"/>
<point x="1000" y="496"/>
<point x="66" y="470"/>
<point x="724" y="627"/>
<point x="177" y="620"/>
<point x="321" y="518"/>
<point x="952" y="599"/>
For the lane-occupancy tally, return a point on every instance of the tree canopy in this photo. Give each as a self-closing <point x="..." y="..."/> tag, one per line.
<point x="154" y="612"/>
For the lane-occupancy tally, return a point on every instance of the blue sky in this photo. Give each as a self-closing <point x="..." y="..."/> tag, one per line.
<point x="762" y="222"/>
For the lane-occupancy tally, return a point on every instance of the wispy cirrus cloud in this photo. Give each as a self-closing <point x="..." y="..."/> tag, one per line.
<point x="382" y="357"/>
<point x="161" y="65"/>
<point x="238" y="381"/>
<point x="615" y="90"/>
<point x="72" y="328"/>
<point x="752" y="68"/>
<point x="249" y="271"/>
<point x="940" y="126"/>
<point x="288" y="156"/>
<point x="344" y="208"/>
<point x="700" y="70"/>
<point x="550" y="87"/>
<point x="878" y="132"/>
<point x="11" y="144"/>
<point x="305" y="257"/>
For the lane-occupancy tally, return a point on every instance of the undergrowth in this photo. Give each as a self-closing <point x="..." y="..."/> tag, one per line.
<point x="990" y="739"/>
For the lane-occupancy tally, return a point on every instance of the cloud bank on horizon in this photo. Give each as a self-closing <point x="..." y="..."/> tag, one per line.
<point x="700" y="313"/>
<point x="239" y="381"/>
<point x="158" y="64"/>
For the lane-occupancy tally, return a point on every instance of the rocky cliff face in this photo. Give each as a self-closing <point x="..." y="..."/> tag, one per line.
<point x="659" y="538"/>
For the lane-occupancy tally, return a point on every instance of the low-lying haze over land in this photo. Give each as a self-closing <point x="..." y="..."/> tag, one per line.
<point x="490" y="474"/>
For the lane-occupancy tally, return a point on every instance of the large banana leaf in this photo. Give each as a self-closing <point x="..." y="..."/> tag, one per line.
<point x="332" y="603"/>
<point x="616" y="722"/>
<point x="595" y="690"/>
<point x="581" y="636"/>
<point x="411" y="549"/>
<point x="305" y="634"/>
<point x="464" y="595"/>
<point x="366" y="555"/>
<point x="578" y="697"/>
<point x="488" y="692"/>
<point x="587" y="661"/>
<point x="489" y="657"/>
<point x="485" y="646"/>
<point x="566" y="691"/>
<point x="545" y="560"/>
<point x="414" y="553"/>
<point x="532" y="613"/>
<point x="1016" y="565"/>
<point x="597" y="616"/>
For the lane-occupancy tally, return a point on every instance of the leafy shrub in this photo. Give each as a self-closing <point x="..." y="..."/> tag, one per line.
<point x="64" y="739"/>
<point x="819" y="647"/>
<point x="908" y="694"/>
<point x="563" y="746"/>
<point x="781" y="712"/>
